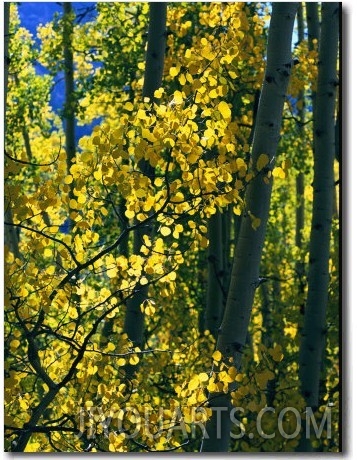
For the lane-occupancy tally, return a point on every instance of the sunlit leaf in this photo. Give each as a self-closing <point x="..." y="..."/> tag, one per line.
<point x="224" y="109"/>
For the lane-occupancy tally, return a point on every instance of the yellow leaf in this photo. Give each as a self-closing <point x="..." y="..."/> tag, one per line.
<point x="141" y="114"/>
<point x="149" y="310"/>
<point x="112" y="273"/>
<point x="68" y="179"/>
<point x="224" y="109"/>
<point x="133" y="360"/>
<point x="121" y="362"/>
<point x="182" y="79"/>
<point x="110" y="346"/>
<point x="97" y="175"/>
<point x="203" y="377"/>
<point x="291" y="329"/>
<point x="72" y="203"/>
<point x="14" y="344"/>
<point x="194" y="383"/>
<point x="129" y="213"/>
<point x="237" y="210"/>
<point x="207" y="53"/>
<point x="174" y="71"/>
<point x="178" y="197"/>
<point x="232" y="371"/>
<point x="217" y="355"/>
<point x="158" y="182"/>
<point x="262" y="161"/>
<point x="279" y="172"/>
<point x="92" y="370"/>
<point x="165" y="231"/>
<point x="23" y="404"/>
<point x="213" y="93"/>
<point x="158" y="93"/>
<point x="178" y="97"/>
<point x="168" y="142"/>
<point x="212" y="387"/>
<point x="128" y="106"/>
<point x="50" y="270"/>
<point x="81" y="198"/>
<point x="172" y="276"/>
<point x="224" y="377"/>
<point x="47" y="252"/>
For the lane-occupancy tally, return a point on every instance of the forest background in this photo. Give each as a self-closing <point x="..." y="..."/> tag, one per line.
<point x="264" y="353"/>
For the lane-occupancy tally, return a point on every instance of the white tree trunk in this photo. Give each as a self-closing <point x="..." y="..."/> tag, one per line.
<point x="248" y="250"/>
<point x="324" y="153"/>
<point x="314" y="330"/>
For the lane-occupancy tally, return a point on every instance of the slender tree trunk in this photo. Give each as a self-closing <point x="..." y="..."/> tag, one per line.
<point x="314" y="331"/>
<point x="313" y="22"/>
<point x="214" y="303"/>
<point x="300" y="209"/>
<point x="69" y="106"/>
<point x="268" y="323"/>
<point x="134" y="318"/>
<point x="322" y="204"/>
<point x="155" y="53"/>
<point x="248" y="250"/>
<point x="300" y="179"/>
<point x="11" y="237"/>
<point x="300" y="185"/>
<point x="226" y="241"/>
<point x="338" y="136"/>
<point x="24" y="130"/>
<point x="337" y="157"/>
<point x="6" y="49"/>
<point x="124" y="245"/>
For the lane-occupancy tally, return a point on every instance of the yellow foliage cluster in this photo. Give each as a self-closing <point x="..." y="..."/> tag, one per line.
<point x="76" y="270"/>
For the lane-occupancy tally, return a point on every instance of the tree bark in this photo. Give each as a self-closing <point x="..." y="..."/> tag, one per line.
<point x="69" y="106"/>
<point x="324" y="152"/>
<point x="313" y="22"/>
<point x="134" y="318"/>
<point x="6" y="49"/>
<point x="248" y="250"/>
<point x="226" y="241"/>
<point x="155" y="53"/>
<point x="214" y="303"/>
<point x="300" y="179"/>
<point x="11" y="237"/>
<point x="300" y="185"/>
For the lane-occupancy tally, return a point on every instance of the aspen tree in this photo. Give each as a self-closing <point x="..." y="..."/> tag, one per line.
<point x="248" y="250"/>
